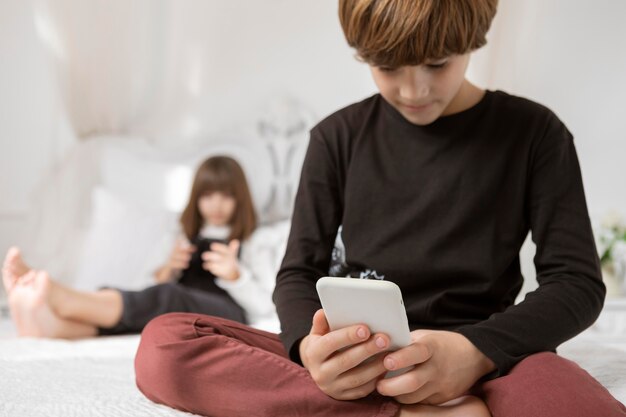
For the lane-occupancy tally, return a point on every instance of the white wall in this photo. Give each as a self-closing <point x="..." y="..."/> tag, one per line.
<point x="30" y="118"/>
<point x="568" y="55"/>
<point x="571" y="56"/>
<point x="248" y="52"/>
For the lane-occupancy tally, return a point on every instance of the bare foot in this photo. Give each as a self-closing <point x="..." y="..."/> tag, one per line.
<point x="29" y="303"/>
<point x="13" y="268"/>
<point x="467" y="406"/>
<point x="29" y="306"/>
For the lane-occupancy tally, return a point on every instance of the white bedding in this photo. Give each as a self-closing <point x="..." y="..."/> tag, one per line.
<point x="55" y="378"/>
<point x="94" y="377"/>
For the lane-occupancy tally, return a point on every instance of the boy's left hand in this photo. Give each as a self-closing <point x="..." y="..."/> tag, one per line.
<point x="221" y="260"/>
<point x="447" y="364"/>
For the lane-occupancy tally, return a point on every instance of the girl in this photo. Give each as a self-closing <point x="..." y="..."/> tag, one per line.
<point x="208" y="272"/>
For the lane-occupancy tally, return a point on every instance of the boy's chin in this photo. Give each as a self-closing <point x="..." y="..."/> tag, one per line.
<point x="421" y="119"/>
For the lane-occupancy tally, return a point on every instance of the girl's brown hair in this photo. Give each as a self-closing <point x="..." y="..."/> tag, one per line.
<point x="224" y="174"/>
<point x="395" y="33"/>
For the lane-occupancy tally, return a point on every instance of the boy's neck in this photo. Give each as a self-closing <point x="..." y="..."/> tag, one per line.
<point x="467" y="97"/>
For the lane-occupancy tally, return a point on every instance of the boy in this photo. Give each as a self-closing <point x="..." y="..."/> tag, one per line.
<point x="436" y="184"/>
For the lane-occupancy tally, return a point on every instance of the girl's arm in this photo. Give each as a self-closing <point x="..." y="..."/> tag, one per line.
<point x="252" y="289"/>
<point x="165" y="274"/>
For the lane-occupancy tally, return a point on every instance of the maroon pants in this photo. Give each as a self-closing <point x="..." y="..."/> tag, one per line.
<point x="220" y="368"/>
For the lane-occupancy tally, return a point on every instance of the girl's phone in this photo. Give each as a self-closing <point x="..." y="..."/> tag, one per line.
<point x="377" y="304"/>
<point x="204" y="244"/>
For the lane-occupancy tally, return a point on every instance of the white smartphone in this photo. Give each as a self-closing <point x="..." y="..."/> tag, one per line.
<point x="377" y="304"/>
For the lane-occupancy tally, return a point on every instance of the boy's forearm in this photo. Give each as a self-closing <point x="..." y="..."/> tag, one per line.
<point x="547" y="317"/>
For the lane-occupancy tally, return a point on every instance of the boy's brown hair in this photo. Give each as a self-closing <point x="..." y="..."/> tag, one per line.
<point x="224" y="174"/>
<point x="395" y="33"/>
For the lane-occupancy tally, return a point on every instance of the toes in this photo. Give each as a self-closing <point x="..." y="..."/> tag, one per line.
<point x="41" y="278"/>
<point x="11" y="268"/>
<point x="28" y="277"/>
<point x="7" y="282"/>
<point x="7" y="267"/>
<point x="11" y="261"/>
<point x="12" y="253"/>
<point x="18" y="262"/>
<point x="8" y="278"/>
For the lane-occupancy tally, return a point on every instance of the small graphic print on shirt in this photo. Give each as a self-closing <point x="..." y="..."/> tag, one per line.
<point x="371" y="274"/>
<point x="340" y="268"/>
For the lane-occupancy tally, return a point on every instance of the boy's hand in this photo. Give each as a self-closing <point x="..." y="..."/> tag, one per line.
<point x="447" y="365"/>
<point x="338" y="360"/>
<point x="221" y="260"/>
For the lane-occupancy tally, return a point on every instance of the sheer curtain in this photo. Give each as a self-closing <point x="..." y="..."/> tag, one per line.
<point x="107" y="60"/>
<point x="110" y="63"/>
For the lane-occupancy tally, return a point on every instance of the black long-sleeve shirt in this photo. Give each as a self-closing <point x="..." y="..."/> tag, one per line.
<point x="442" y="210"/>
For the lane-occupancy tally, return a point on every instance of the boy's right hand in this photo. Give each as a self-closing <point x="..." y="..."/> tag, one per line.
<point x="181" y="255"/>
<point x="338" y="360"/>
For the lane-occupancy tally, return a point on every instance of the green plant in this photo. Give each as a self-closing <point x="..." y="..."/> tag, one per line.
<point x="612" y="234"/>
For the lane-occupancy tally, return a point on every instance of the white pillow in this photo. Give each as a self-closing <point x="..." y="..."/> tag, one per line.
<point x="142" y="175"/>
<point x="124" y="243"/>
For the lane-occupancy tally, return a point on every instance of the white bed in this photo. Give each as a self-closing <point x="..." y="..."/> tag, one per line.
<point x="92" y="377"/>
<point x="95" y="377"/>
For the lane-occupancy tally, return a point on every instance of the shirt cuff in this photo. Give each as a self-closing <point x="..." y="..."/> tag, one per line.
<point x="291" y="340"/>
<point x="502" y="361"/>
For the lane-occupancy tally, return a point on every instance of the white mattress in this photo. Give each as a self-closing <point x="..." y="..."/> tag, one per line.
<point x="91" y="377"/>
<point x="95" y="377"/>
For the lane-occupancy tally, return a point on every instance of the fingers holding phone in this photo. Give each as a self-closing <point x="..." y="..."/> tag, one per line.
<point x="222" y="260"/>
<point x="446" y="365"/>
<point x="345" y="363"/>
<point x="181" y="255"/>
<point x="179" y="260"/>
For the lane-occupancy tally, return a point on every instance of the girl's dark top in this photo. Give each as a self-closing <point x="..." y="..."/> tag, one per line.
<point x="195" y="276"/>
<point x="442" y="210"/>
